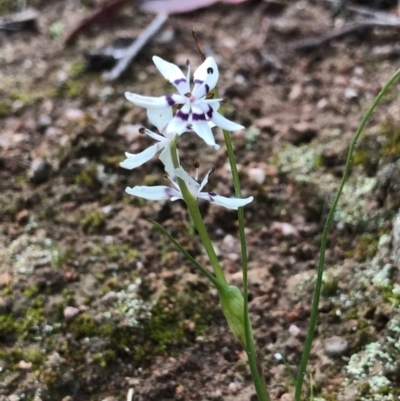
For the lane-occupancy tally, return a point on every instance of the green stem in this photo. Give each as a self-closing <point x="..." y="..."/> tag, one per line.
<point x="318" y="285"/>
<point x="216" y="283"/>
<point x="255" y="366"/>
<point x="194" y="212"/>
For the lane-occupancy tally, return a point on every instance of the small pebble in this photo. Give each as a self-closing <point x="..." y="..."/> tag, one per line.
<point x="350" y="93"/>
<point x="70" y="312"/>
<point x="54" y="360"/>
<point x="294" y="331"/>
<point x="25" y="365"/>
<point x="234" y="387"/>
<point x="336" y="346"/>
<point x="40" y="171"/>
<point x="256" y="174"/>
<point x="109" y="298"/>
<point x="22" y="216"/>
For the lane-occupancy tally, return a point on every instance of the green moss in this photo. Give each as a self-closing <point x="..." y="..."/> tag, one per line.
<point x="8" y="326"/>
<point x="7" y="6"/>
<point x="5" y="110"/>
<point x="93" y="222"/>
<point x="84" y="326"/>
<point x="87" y="177"/>
<point x="366" y="247"/>
<point x="31" y="291"/>
<point x="330" y="286"/>
<point x="27" y="326"/>
<point x="390" y="150"/>
<point x="168" y="326"/>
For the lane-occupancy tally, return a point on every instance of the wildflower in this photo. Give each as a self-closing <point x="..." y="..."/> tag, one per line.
<point x="159" y="118"/>
<point x="197" y="107"/>
<point x="161" y="192"/>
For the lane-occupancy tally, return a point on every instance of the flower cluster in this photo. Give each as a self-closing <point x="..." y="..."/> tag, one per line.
<point x="196" y="111"/>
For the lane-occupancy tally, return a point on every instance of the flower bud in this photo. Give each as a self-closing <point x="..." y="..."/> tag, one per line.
<point x="232" y="304"/>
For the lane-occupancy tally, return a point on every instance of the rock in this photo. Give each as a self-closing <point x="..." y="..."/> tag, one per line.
<point x="109" y="298"/>
<point x="234" y="387"/>
<point x="336" y="346"/>
<point x="5" y="279"/>
<point x="40" y="171"/>
<point x="301" y="132"/>
<point x="13" y="397"/>
<point x="294" y="330"/>
<point x="54" y="360"/>
<point x="25" y="365"/>
<point x="22" y="216"/>
<point x="350" y="93"/>
<point x="286" y="229"/>
<point x="295" y="92"/>
<point x="256" y="174"/>
<point x="70" y="312"/>
<point x="264" y="123"/>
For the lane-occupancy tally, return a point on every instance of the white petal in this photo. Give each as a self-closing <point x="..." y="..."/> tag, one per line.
<point x="160" y="117"/>
<point x="150" y="102"/>
<point x="203" y="130"/>
<point x="192" y="184"/>
<point x="166" y="159"/>
<point x="222" y="122"/>
<point x="205" y="78"/>
<point x="158" y="192"/>
<point x="178" y="124"/>
<point x="229" y="203"/>
<point x="173" y="74"/>
<point x="155" y="136"/>
<point x="132" y="161"/>
<point x="205" y="180"/>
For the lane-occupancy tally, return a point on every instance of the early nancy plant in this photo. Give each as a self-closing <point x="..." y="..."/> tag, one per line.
<point x="196" y="109"/>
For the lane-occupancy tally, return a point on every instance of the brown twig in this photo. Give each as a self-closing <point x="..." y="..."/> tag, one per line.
<point x="372" y="19"/>
<point x="136" y="46"/>
<point x="100" y="15"/>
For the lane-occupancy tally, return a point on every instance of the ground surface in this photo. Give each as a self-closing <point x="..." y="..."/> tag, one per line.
<point x="94" y="301"/>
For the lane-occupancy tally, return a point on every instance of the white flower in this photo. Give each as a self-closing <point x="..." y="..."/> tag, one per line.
<point x="198" y="108"/>
<point x="161" y="192"/>
<point x="160" y="118"/>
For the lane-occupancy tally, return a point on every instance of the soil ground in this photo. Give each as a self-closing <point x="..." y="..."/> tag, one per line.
<point x="94" y="301"/>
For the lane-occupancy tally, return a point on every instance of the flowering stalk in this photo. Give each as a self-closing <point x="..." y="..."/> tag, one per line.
<point x="198" y="111"/>
<point x="255" y="366"/>
<point x="318" y="285"/>
<point x="194" y="212"/>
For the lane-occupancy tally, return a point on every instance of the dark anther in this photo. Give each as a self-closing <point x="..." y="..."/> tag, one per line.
<point x="212" y="170"/>
<point x="142" y="130"/>
<point x="196" y="164"/>
<point x="165" y="175"/>
<point x="179" y="106"/>
<point x="210" y="70"/>
<point x="210" y="95"/>
<point x="168" y="82"/>
<point x="187" y="62"/>
<point x="188" y="94"/>
<point x="224" y="101"/>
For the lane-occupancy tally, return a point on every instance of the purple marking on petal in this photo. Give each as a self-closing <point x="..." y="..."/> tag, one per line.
<point x="198" y="81"/>
<point x="169" y="192"/>
<point x="183" y="116"/>
<point x="199" y="117"/>
<point x="207" y="88"/>
<point x="212" y="194"/>
<point x="170" y="100"/>
<point x="178" y="81"/>
<point x="210" y="112"/>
